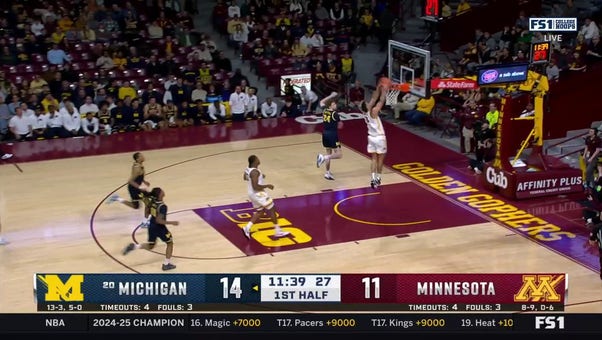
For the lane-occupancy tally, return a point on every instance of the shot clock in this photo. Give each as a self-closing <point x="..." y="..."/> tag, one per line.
<point x="541" y="52"/>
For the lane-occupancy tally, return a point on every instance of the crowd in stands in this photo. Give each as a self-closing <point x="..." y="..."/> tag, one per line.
<point x="316" y="37"/>
<point x="142" y="65"/>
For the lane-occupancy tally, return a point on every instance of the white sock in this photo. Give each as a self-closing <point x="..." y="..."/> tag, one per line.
<point x="249" y="225"/>
<point x="167" y="261"/>
<point x="277" y="227"/>
<point x="120" y="199"/>
<point x="326" y="157"/>
<point x="137" y="246"/>
<point x="374" y="176"/>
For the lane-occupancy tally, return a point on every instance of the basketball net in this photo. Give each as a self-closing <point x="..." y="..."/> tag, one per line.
<point x="393" y="93"/>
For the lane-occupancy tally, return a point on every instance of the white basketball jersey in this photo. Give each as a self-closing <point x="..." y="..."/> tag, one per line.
<point x="375" y="126"/>
<point x="250" y="189"/>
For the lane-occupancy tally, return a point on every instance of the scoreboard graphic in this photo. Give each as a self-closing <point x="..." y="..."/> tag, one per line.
<point x="542" y="292"/>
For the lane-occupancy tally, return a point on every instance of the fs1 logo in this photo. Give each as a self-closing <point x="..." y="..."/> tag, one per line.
<point x="549" y="322"/>
<point x="59" y="290"/>
<point x="539" y="288"/>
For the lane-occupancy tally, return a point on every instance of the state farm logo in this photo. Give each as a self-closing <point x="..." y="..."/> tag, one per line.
<point x="453" y="84"/>
<point x="495" y="178"/>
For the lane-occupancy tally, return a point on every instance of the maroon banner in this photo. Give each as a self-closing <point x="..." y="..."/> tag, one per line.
<point x="454" y="288"/>
<point x="453" y="84"/>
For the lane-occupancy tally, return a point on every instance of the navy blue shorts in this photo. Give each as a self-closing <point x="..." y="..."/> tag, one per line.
<point x="330" y="139"/>
<point x="135" y="195"/>
<point x="157" y="231"/>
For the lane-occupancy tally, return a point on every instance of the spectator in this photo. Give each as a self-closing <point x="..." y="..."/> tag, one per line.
<point x="252" y="104"/>
<point x="552" y="71"/>
<point x="200" y="53"/>
<point x="198" y="93"/>
<point x="222" y="63"/>
<point x="238" y="103"/>
<point x="56" y="125"/>
<point x="155" y="31"/>
<point x="463" y="7"/>
<point x="39" y="123"/>
<point x="408" y="103"/>
<point x="528" y="111"/>
<point x="71" y="119"/>
<point x="594" y="50"/>
<point x="89" y="106"/>
<point x="233" y="10"/>
<point x="269" y="109"/>
<point x="357" y="94"/>
<point x="309" y="100"/>
<point x="492" y="116"/>
<point x="485" y="151"/>
<point x="90" y="125"/>
<point x="20" y="126"/>
<point x="56" y="56"/>
<point x="589" y="30"/>
<point x="217" y="111"/>
<point x="424" y="107"/>
<point x="320" y="12"/>
<point x="105" y="61"/>
<point x="288" y="109"/>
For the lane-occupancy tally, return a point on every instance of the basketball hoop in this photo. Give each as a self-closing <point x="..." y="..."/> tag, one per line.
<point x="393" y="93"/>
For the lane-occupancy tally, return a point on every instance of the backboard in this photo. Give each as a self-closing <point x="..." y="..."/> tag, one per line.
<point x="410" y="64"/>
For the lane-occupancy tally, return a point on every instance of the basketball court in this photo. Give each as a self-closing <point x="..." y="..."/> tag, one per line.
<point x="431" y="214"/>
<point x="56" y="220"/>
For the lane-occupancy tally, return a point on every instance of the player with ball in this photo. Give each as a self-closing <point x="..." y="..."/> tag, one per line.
<point x="377" y="140"/>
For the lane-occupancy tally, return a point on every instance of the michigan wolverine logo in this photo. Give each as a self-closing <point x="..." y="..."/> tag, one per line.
<point x="539" y="288"/>
<point x="57" y="290"/>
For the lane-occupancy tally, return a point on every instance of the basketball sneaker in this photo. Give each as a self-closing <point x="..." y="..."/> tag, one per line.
<point x="328" y="176"/>
<point x="7" y="156"/>
<point x="320" y="160"/>
<point x="247" y="232"/>
<point x="129" y="248"/>
<point x="145" y="223"/>
<point x="112" y="199"/>
<point x="281" y="233"/>
<point x="168" y="266"/>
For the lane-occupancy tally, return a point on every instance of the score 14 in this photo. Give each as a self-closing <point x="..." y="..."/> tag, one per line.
<point x="231" y="289"/>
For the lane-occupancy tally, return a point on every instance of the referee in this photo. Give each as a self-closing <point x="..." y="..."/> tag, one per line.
<point x="595" y="238"/>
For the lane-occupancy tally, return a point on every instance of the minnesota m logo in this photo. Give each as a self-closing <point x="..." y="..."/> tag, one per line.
<point x="57" y="290"/>
<point x="539" y="288"/>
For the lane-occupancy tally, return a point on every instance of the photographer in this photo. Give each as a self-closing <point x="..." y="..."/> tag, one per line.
<point x="485" y="151"/>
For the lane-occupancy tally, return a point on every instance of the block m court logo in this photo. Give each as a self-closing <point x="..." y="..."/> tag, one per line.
<point x="540" y="288"/>
<point x="62" y="287"/>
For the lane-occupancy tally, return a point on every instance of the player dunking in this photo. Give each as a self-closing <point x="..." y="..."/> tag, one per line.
<point x="157" y="210"/>
<point x="377" y="140"/>
<point x="262" y="202"/>
<point x="135" y="187"/>
<point x="330" y="134"/>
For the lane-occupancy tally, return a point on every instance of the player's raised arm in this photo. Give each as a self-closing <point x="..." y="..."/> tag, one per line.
<point x="325" y="100"/>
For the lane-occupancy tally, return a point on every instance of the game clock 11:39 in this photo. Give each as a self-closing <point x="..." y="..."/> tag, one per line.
<point x="540" y="52"/>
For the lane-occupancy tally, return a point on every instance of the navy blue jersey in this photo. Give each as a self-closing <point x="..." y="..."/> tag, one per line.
<point x="157" y="208"/>
<point x="331" y="120"/>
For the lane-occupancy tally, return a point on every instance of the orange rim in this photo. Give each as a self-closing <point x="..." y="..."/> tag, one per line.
<point x="400" y="87"/>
